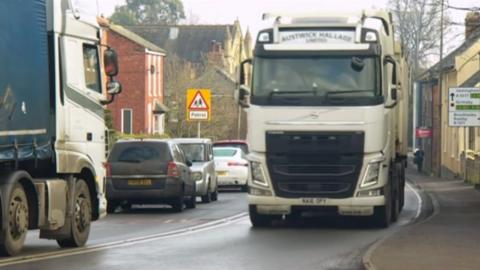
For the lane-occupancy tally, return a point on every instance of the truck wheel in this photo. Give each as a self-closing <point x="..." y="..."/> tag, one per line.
<point x="82" y="216"/>
<point x="382" y="215"/>
<point x="259" y="220"/>
<point x="17" y="225"/>
<point x="395" y="207"/>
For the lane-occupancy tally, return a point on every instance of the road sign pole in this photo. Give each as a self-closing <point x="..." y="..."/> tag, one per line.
<point x="199" y="129"/>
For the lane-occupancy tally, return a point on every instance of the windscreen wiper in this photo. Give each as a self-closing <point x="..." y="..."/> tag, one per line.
<point x="130" y="160"/>
<point x="273" y="93"/>
<point x="328" y="95"/>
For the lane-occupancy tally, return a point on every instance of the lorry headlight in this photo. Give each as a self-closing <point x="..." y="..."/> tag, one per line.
<point x="371" y="175"/>
<point x="197" y="176"/>
<point x="259" y="191"/>
<point x="258" y="175"/>
<point x="370" y="192"/>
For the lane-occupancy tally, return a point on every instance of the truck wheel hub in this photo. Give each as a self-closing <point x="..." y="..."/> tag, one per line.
<point x="18" y="218"/>
<point x="82" y="216"/>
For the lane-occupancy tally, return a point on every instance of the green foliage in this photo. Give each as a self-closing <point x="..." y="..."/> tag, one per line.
<point x="144" y="12"/>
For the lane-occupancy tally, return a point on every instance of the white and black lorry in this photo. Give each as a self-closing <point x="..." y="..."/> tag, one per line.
<point x="52" y="130"/>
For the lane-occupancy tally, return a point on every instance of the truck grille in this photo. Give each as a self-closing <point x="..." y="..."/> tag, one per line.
<point x="314" y="164"/>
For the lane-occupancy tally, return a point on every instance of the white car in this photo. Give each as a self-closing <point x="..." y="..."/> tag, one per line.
<point x="231" y="166"/>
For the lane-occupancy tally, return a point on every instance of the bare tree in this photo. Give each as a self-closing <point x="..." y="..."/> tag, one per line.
<point x="417" y="24"/>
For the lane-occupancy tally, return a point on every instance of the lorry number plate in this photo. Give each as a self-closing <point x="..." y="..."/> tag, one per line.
<point x="314" y="200"/>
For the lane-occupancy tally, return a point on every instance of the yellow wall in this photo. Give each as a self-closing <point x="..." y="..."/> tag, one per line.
<point x="455" y="139"/>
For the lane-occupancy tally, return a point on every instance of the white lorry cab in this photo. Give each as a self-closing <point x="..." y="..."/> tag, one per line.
<point x="52" y="130"/>
<point x="326" y="103"/>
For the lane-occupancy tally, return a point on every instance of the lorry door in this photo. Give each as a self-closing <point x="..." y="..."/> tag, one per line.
<point x="84" y="115"/>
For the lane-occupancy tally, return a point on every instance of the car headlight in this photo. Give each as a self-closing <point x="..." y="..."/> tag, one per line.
<point x="197" y="176"/>
<point x="258" y="175"/>
<point x="371" y="175"/>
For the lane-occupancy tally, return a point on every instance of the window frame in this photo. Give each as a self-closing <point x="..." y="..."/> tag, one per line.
<point x="98" y="69"/>
<point x="123" y="110"/>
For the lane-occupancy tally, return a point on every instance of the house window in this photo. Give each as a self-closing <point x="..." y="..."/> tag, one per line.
<point x="91" y="68"/>
<point x="127" y="116"/>
<point x="471" y="138"/>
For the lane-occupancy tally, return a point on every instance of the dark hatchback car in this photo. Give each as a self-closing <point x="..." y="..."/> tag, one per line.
<point x="149" y="172"/>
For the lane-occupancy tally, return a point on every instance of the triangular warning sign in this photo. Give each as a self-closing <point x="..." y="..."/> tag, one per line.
<point x="198" y="102"/>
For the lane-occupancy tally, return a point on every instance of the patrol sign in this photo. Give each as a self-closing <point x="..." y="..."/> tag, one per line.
<point x="198" y="104"/>
<point x="464" y="107"/>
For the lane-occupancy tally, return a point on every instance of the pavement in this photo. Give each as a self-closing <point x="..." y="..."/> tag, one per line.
<point x="448" y="239"/>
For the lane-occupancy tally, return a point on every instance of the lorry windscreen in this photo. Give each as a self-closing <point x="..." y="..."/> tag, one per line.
<point x="316" y="81"/>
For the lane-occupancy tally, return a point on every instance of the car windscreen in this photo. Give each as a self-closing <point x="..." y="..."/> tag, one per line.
<point x="242" y="146"/>
<point x="195" y="152"/>
<point x="224" y="152"/>
<point x="136" y="152"/>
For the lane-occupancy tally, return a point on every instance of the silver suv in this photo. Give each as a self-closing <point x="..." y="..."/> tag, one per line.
<point x="199" y="152"/>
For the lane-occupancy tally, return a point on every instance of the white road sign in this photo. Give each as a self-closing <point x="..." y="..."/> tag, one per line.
<point x="464" y="107"/>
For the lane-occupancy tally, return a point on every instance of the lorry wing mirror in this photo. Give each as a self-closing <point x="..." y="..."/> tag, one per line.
<point x="242" y="95"/>
<point x="394" y="92"/>
<point x="242" y="74"/>
<point x="114" y="88"/>
<point x="243" y="91"/>
<point x="110" y="60"/>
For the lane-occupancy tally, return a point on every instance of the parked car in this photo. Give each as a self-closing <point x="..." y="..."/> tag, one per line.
<point x="231" y="166"/>
<point x="233" y="143"/>
<point x="149" y="172"/>
<point x="199" y="152"/>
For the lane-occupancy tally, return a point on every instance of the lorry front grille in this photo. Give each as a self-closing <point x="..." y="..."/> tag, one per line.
<point x="314" y="164"/>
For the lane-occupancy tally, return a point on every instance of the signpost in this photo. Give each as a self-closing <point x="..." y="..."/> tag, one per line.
<point x="464" y="107"/>
<point x="198" y="106"/>
<point x="464" y="110"/>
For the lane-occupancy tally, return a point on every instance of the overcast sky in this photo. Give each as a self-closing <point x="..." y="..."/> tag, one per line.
<point x="249" y="11"/>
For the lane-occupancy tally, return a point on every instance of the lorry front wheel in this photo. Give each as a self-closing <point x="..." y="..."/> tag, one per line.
<point x="259" y="220"/>
<point x="82" y="216"/>
<point x="17" y="225"/>
<point x="382" y="215"/>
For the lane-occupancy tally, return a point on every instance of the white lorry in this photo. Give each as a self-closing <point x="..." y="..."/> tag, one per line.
<point x="52" y="130"/>
<point x="326" y="104"/>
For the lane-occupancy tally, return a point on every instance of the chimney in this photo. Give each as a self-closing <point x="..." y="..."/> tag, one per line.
<point x="472" y="23"/>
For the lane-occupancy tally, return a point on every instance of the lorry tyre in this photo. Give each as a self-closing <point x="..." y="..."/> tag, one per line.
<point x="382" y="215"/>
<point x="259" y="220"/>
<point x="17" y="225"/>
<point x="81" y="219"/>
<point x="401" y="192"/>
<point x="395" y="206"/>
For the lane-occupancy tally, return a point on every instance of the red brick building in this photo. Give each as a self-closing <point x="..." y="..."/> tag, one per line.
<point x="139" y="108"/>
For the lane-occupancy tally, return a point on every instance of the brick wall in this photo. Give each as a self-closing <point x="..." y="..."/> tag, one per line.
<point x="132" y="75"/>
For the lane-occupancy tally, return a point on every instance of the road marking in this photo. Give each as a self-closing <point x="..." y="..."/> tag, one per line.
<point x="123" y="243"/>
<point x="420" y="201"/>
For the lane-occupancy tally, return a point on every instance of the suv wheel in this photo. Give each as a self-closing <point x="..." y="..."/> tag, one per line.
<point x="214" y="195"/>
<point x="177" y="204"/>
<point x="208" y="196"/>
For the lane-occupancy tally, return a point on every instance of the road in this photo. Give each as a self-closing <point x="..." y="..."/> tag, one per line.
<point x="213" y="236"/>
